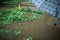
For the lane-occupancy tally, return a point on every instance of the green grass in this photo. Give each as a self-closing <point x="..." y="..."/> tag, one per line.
<point x="29" y="38"/>
<point x="16" y="15"/>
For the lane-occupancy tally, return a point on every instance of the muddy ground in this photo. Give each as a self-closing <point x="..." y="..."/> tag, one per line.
<point x="41" y="29"/>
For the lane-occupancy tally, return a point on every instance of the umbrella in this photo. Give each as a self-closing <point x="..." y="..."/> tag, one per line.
<point x="50" y="6"/>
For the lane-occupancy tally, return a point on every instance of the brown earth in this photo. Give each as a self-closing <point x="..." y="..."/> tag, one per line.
<point x="41" y="29"/>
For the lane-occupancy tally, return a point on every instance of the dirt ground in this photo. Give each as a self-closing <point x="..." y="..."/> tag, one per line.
<point x="41" y="29"/>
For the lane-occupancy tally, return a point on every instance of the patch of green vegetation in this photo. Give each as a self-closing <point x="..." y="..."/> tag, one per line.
<point x="17" y="33"/>
<point x="7" y="34"/>
<point x="29" y="38"/>
<point x="16" y="15"/>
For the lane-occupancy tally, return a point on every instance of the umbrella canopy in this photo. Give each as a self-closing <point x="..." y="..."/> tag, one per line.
<point x="50" y="6"/>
